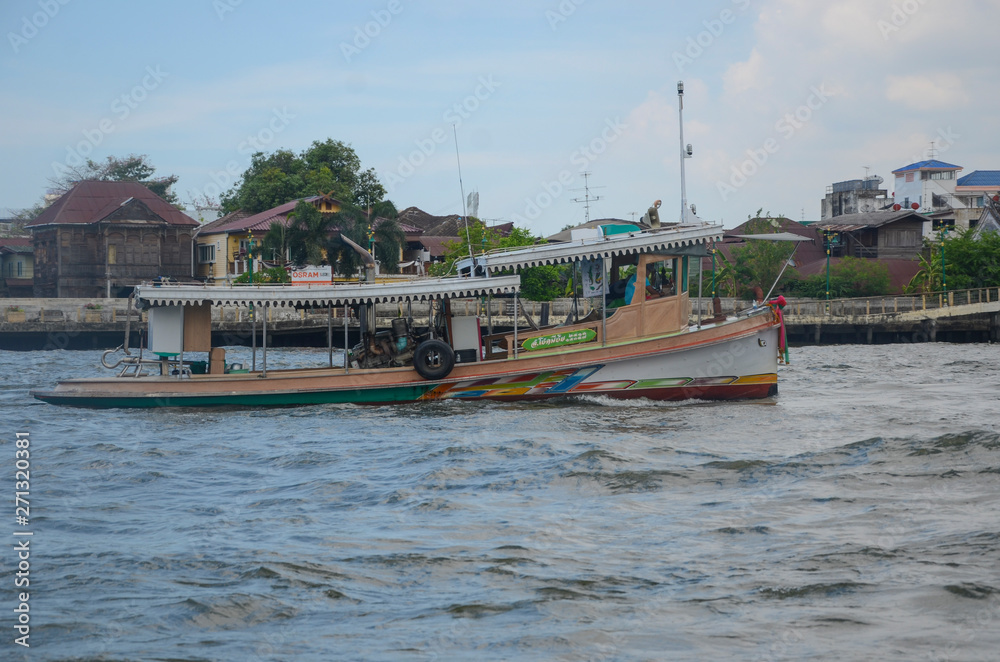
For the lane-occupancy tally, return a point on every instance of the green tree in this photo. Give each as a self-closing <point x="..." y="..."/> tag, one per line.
<point x="537" y="283"/>
<point x="969" y="262"/>
<point x="131" y="168"/>
<point x="850" y="277"/>
<point x="757" y="263"/>
<point x="379" y="225"/>
<point x="330" y="166"/>
<point x="310" y="235"/>
<point x="543" y="283"/>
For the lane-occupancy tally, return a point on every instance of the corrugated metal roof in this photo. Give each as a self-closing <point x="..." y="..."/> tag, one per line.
<point x="980" y="178"/>
<point x="773" y="236"/>
<point x="91" y="201"/>
<point x="14" y="242"/>
<point x="930" y="164"/>
<point x="423" y="289"/>
<point x="212" y="227"/>
<point x="870" y="219"/>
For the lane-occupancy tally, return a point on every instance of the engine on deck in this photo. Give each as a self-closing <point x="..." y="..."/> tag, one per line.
<point x="385" y="349"/>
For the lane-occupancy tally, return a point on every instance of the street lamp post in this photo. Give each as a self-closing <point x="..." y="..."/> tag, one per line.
<point x="713" y="270"/>
<point x="828" y="244"/>
<point x="944" y="273"/>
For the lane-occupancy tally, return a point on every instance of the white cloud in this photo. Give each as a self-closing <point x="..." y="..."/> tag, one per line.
<point x="744" y="76"/>
<point x="927" y="92"/>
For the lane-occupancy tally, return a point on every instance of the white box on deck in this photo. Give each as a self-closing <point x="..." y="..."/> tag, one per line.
<point x="466" y="341"/>
<point x="166" y="330"/>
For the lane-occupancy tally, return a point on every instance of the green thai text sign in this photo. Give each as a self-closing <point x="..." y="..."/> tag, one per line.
<point x="559" y="339"/>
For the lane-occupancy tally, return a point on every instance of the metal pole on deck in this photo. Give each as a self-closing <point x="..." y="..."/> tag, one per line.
<point x="263" y="342"/>
<point x="329" y="330"/>
<point x="347" y="352"/>
<point x="605" y="290"/>
<point x="515" y="324"/>
<point x="253" y="338"/>
<point x="699" y="292"/>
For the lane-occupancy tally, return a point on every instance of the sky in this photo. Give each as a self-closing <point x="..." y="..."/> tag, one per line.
<point x="782" y="97"/>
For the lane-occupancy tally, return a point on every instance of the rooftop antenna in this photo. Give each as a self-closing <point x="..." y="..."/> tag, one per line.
<point x="587" y="197"/>
<point x="932" y="152"/>
<point x="867" y="168"/>
<point x="461" y="186"/>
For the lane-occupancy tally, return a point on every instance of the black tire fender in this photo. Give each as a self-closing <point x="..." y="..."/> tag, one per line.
<point x="433" y="359"/>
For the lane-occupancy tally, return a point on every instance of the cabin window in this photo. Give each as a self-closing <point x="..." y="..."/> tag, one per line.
<point x="661" y="277"/>
<point x="206" y="253"/>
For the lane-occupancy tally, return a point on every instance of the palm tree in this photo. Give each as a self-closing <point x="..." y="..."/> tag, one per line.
<point x="377" y="224"/>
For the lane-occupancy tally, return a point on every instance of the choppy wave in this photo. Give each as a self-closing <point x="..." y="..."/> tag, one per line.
<point x="856" y="515"/>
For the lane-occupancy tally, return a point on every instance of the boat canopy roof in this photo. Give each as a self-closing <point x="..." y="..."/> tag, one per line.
<point x="677" y="240"/>
<point x="422" y="289"/>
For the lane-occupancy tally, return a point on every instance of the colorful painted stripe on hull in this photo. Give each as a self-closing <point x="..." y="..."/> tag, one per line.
<point x="760" y="386"/>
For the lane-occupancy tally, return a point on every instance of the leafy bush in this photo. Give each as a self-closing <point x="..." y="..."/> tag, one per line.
<point x="265" y="277"/>
<point x="851" y="277"/>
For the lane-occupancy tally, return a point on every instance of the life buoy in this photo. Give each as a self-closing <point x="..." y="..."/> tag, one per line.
<point x="433" y="359"/>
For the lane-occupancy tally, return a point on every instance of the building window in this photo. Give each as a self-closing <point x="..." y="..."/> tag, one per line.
<point x="20" y="266"/>
<point x="947" y="174"/>
<point x="206" y="253"/>
<point x="112" y="254"/>
<point x="909" y="176"/>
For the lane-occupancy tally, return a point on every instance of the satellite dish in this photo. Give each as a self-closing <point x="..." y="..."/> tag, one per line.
<point x="914" y="205"/>
<point x="897" y="207"/>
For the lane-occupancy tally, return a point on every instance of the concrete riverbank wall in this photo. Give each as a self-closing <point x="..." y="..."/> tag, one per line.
<point x="964" y="316"/>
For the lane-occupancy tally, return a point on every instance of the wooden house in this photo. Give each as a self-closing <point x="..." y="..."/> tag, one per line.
<point x="103" y="238"/>
<point x="16" y="266"/>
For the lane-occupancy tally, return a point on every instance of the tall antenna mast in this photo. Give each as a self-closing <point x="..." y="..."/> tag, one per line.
<point x="461" y="186"/>
<point x="587" y="197"/>
<point x="932" y="152"/>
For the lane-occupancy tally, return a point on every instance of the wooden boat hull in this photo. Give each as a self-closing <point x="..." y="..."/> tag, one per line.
<point x="735" y="360"/>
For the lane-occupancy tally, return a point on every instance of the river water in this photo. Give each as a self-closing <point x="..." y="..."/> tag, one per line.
<point x="855" y="516"/>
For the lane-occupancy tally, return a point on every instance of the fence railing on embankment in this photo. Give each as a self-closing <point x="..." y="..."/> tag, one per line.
<point x="955" y="316"/>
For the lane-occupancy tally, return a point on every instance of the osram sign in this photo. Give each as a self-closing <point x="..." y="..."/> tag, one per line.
<point x="312" y="276"/>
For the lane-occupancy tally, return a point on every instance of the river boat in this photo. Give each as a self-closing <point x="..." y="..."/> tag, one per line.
<point x="646" y="345"/>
